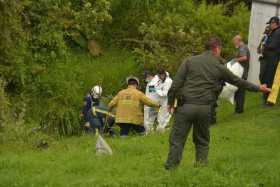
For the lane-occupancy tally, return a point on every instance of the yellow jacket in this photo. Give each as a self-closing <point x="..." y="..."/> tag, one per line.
<point x="129" y="106"/>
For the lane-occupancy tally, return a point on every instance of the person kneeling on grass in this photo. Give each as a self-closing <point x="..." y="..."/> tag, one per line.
<point x="95" y="113"/>
<point x="129" y="104"/>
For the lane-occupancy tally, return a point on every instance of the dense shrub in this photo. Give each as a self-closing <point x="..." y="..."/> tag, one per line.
<point x="4" y="106"/>
<point x="178" y="28"/>
<point x="13" y="53"/>
<point x="53" y="24"/>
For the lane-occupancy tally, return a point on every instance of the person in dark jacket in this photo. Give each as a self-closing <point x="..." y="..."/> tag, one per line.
<point x="197" y="81"/>
<point x="95" y="113"/>
<point x="261" y="50"/>
<point x="271" y="55"/>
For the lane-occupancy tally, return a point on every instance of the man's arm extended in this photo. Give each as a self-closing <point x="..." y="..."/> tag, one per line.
<point x="229" y="77"/>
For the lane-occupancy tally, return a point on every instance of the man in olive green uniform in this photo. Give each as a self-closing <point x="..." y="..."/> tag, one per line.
<point x="198" y="82"/>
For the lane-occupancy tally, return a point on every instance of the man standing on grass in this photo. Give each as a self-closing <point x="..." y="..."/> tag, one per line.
<point x="271" y="55"/>
<point x="242" y="57"/>
<point x="197" y="81"/>
<point x="129" y="104"/>
<point x="157" y="89"/>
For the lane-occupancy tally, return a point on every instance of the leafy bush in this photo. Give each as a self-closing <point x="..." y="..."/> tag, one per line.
<point x="180" y="31"/>
<point x="51" y="24"/>
<point x="13" y="52"/>
<point x="168" y="31"/>
<point x="4" y="106"/>
<point x="36" y="32"/>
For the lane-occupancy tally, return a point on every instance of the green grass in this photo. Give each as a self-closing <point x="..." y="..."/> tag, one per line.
<point x="244" y="151"/>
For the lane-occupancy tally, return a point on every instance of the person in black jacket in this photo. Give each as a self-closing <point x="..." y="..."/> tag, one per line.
<point x="260" y="51"/>
<point x="271" y="55"/>
<point x="95" y="113"/>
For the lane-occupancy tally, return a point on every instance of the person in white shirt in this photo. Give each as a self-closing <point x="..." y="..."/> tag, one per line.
<point x="157" y="89"/>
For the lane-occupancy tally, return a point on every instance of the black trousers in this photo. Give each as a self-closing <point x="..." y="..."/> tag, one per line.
<point x="126" y="128"/>
<point x="239" y="100"/>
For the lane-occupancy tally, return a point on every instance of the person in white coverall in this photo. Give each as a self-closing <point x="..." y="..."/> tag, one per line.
<point x="157" y="89"/>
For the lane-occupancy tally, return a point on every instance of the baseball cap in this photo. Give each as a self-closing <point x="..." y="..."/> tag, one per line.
<point x="275" y="19"/>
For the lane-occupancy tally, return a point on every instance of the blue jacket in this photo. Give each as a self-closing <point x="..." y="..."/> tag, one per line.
<point x="89" y="102"/>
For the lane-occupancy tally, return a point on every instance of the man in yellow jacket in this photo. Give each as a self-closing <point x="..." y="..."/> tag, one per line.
<point x="129" y="107"/>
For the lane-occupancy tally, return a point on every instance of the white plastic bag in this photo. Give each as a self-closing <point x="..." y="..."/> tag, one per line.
<point x="229" y="89"/>
<point x="102" y="147"/>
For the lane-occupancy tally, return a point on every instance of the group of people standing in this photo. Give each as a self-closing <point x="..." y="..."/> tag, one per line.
<point x="191" y="95"/>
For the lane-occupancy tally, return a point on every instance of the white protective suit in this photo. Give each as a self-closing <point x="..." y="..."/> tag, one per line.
<point x="157" y="90"/>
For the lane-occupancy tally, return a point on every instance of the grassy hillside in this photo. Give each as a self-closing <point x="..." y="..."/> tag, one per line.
<point x="244" y="151"/>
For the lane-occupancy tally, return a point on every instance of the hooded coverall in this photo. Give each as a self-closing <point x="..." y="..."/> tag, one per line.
<point x="157" y="90"/>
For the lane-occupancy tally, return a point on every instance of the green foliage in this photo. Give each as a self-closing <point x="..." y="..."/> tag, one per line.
<point x="4" y="106"/>
<point x="179" y="28"/>
<point x="13" y="52"/>
<point x="52" y="24"/>
<point x="40" y="31"/>
<point x="164" y="32"/>
<point x="127" y="16"/>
